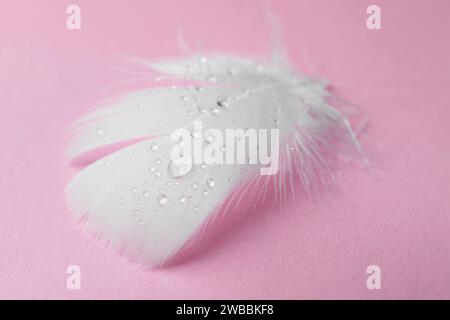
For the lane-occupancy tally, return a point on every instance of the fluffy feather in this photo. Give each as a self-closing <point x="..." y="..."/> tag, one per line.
<point x="132" y="199"/>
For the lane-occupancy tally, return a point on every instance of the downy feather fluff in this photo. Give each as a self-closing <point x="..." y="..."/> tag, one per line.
<point x="134" y="198"/>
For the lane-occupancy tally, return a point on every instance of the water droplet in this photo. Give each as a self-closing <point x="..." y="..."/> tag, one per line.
<point x="190" y="113"/>
<point x="179" y="169"/>
<point x="141" y="222"/>
<point x="210" y="138"/>
<point x="211" y="79"/>
<point x="162" y="200"/>
<point x="122" y="200"/>
<point x="222" y="101"/>
<point x="205" y="193"/>
<point x="194" y="186"/>
<point x="232" y="71"/>
<point x="146" y="193"/>
<point x="140" y="105"/>
<point x="152" y="169"/>
<point x="230" y="179"/>
<point x="215" y="111"/>
<point x="136" y="211"/>
<point x="157" y="174"/>
<point x="135" y="190"/>
<point x="158" y="161"/>
<point x="185" y="98"/>
<point x="107" y="163"/>
<point x="135" y="154"/>
<point x="195" y="209"/>
<point x="195" y="134"/>
<point x="202" y="110"/>
<point x="203" y="166"/>
<point x="276" y="121"/>
<point x="277" y="110"/>
<point x="100" y="131"/>
<point x="211" y="183"/>
<point x="154" y="147"/>
<point x="182" y="200"/>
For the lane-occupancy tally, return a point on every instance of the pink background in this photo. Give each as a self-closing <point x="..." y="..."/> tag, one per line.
<point x="397" y="216"/>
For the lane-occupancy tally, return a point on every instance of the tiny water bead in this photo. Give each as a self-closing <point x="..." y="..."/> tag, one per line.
<point x="179" y="169"/>
<point x="158" y="161"/>
<point x="100" y="131"/>
<point x="122" y="200"/>
<point x="152" y="169"/>
<point x="215" y="111"/>
<point x="195" y="134"/>
<point x="154" y="147"/>
<point x="223" y="101"/>
<point x="141" y="222"/>
<point x="157" y="174"/>
<point x="182" y="199"/>
<point x="211" y="183"/>
<point x="232" y="71"/>
<point x="146" y="193"/>
<point x="162" y="200"/>
<point x="202" y="110"/>
<point x="107" y="163"/>
<point x="194" y="186"/>
<point x="205" y="193"/>
<point x="210" y="138"/>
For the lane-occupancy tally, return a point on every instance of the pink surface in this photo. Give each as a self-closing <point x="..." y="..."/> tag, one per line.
<point x="397" y="217"/>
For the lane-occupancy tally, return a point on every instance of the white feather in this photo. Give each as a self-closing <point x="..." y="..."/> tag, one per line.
<point x="130" y="198"/>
